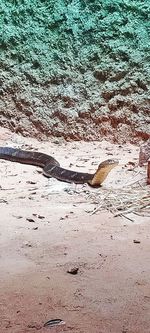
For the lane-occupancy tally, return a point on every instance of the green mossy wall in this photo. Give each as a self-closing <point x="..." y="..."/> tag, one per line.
<point x="78" y="69"/>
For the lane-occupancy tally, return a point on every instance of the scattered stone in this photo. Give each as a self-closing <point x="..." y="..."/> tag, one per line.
<point x="73" y="270"/>
<point x="30" y="182"/>
<point x="41" y="217"/>
<point x="130" y="166"/>
<point x="30" y="220"/>
<point x="63" y="218"/>
<point x="28" y="245"/>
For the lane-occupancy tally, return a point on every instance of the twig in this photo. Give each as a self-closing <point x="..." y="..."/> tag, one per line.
<point x="97" y="208"/>
<point x="126" y="217"/>
<point x="143" y="215"/>
<point x="144" y="206"/>
<point x="136" y="181"/>
<point x="125" y="212"/>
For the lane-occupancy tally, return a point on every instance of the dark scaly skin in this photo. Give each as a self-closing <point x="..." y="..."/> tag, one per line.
<point x="51" y="167"/>
<point x="26" y="157"/>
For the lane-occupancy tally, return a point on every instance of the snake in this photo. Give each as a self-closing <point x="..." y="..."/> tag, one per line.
<point x="51" y="167"/>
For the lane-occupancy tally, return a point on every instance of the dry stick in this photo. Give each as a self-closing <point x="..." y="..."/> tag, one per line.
<point x="3" y="201"/>
<point x="144" y="206"/>
<point x="126" y="199"/>
<point x="143" y="215"/>
<point x="125" y="212"/>
<point x="136" y="181"/>
<point x="127" y="205"/>
<point x="136" y="205"/>
<point x="97" y="208"/>
<point x="130" y="210"/>
<point x="128" y="218"/>
<point x="109" y="206"/>
<point x="140" y="185"/>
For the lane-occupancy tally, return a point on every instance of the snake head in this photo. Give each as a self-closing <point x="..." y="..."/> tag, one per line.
<point x="108" y="164"/>
<point x="103" y="170"/>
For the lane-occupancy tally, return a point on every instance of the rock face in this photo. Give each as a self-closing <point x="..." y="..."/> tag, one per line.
<point x="76" y="69"/>
<point x="144" y="154"/>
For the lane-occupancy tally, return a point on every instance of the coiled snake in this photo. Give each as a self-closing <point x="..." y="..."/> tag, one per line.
<point x="51" y="167"/>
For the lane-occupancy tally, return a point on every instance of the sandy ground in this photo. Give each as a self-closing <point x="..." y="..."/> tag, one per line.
<point x="46" y="228"/>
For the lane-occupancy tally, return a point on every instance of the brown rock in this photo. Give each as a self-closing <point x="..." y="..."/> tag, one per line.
<point x="144" y="153"/>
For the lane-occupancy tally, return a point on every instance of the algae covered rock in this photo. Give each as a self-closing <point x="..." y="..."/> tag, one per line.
<point x="77" y="69"/>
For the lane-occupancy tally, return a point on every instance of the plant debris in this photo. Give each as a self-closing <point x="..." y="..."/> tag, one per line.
<point x="130" y="198"/>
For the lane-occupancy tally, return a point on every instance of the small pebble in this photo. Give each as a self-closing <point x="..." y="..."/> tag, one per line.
<point x="136" y="241"/>
<point x="73" y="270"/>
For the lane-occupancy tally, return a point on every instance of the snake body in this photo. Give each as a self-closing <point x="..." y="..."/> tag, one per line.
<point x="52" y="168"/>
